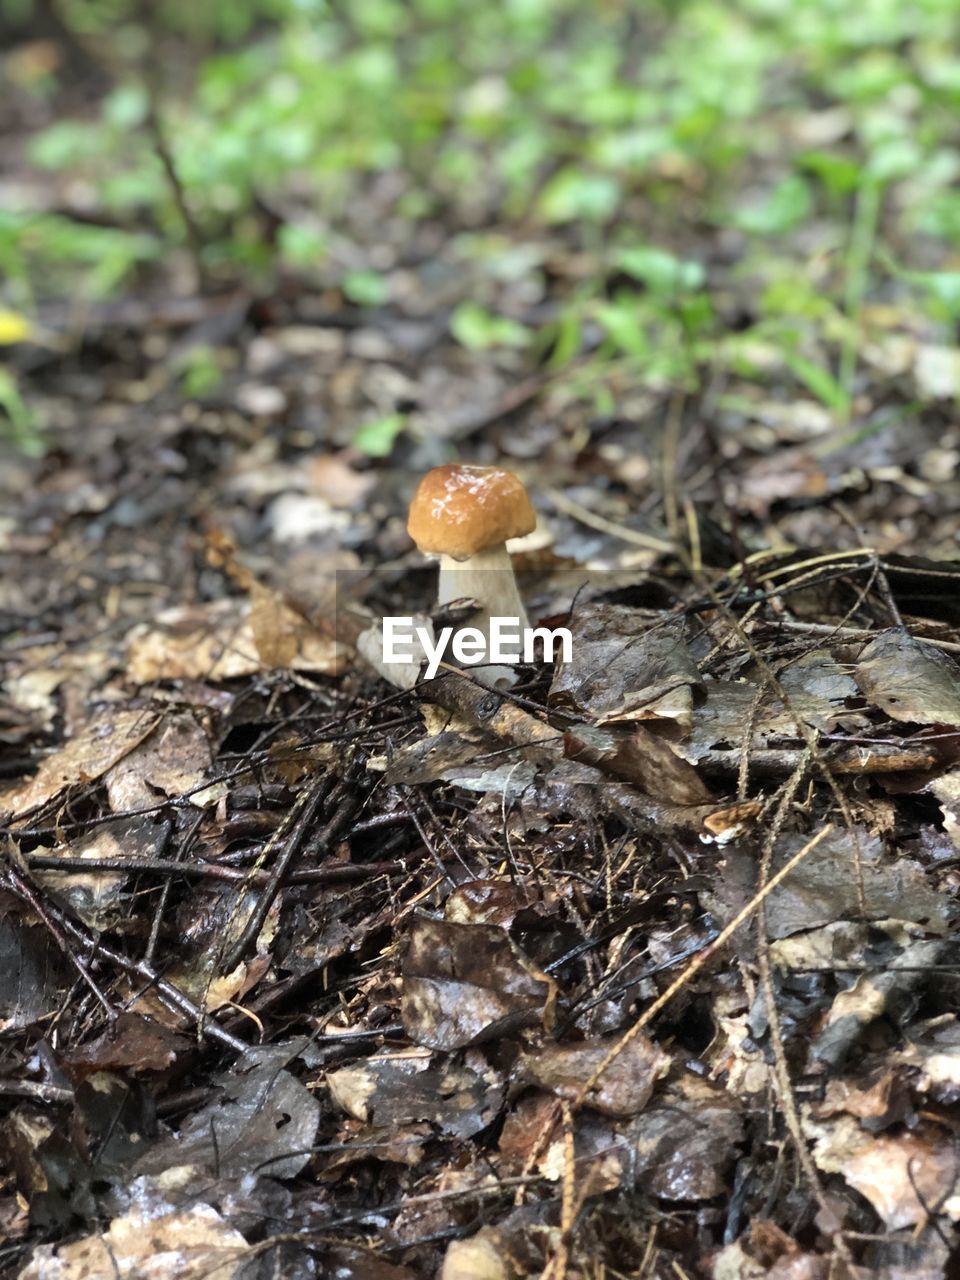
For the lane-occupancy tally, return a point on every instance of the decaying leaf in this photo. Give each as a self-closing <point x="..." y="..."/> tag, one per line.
<point x="489" y="902"/>
<point x="732" y="712"/>
<point x="397" y="1089"/>
<point x="824" y="889"/>
<point x="190" y="1244"/>
<point x="98" y="896"/>
<point x="85" y="758"/>
<point x="621" y="671"/>
<point x="904" y="1175"/>
<point x="686" y="1141"/>
<point x="638" y="756"/>
<point x="132" y="1043"/>
<point x="625" y="1087"/>
<point x="34" y="969"/>
<point x="258" y="1107"/>
<point x="909" y="679"/>
<point x="228" y="639"/>
<point x="174" y="759"/>
<point x="466" y="983"/>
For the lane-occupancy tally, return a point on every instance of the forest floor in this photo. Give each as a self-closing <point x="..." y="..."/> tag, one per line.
<point x="644" y="968"/>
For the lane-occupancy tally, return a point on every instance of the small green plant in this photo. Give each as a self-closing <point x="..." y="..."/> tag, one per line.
<point x="19" y="426"/>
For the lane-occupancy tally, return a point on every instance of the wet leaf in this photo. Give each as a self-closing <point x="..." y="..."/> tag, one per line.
<point x="625" y="1087"/>
<point x="190" y="1244"/>
<point x="902" y="1175"/>
<point x="909" y="679"/>
<point x="259" y="1107"/>
<point x="460" y="1099"/>
<point x="824" y="889"/>
<point x="463" y="984"/>
<point x="85" y="758"/>
<point x="622" y="672"/>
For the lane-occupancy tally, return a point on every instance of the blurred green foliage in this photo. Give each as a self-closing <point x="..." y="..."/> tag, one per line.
<point x="642" y="129"/>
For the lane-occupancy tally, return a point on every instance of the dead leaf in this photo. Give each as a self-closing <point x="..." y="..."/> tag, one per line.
<point x="219" y="642"/>
<point x="622" y="671"/>
<point x="460" y="1099"/>
<point x="85" y="758"/>
<point x="640" y="757"/>
<point x="172" y="760"/>
<point x="625" y="1087"/>
<point x="903" y="1175"/>
<point x="465" y="983"/>
<point x="909" y="679"/>
<point x="132" y="1043"/>
<point x="189" y="1244"/>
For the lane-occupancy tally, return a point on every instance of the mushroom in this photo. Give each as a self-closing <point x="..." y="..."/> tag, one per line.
<point x="465" y="514"/>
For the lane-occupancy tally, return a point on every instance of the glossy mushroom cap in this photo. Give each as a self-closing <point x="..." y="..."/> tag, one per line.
<point x="459" y="510"/>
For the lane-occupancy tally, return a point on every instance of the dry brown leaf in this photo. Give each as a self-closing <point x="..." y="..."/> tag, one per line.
<point x="171" y="761"/>
<point x="902" y="1175"/>
<point x="186" y="1245"/>
<point x="86" y="758"/>
<point x="229" y="639"/>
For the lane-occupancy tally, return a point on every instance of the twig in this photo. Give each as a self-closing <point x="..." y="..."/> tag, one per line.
<point x="170" y="994"/>
<point x="165" y="156"/>
<point x="19" y="887"/>
<point x="781" y="1072"/>
<point x="593" y="521"/>
<point x="337" y="873"/>
<point x="295" y="828"/>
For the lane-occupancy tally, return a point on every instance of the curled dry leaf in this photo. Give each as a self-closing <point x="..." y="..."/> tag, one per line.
<point x="466" y="983"/>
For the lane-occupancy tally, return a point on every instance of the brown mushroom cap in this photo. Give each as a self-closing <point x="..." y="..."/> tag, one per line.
<point x="459" y="510"/>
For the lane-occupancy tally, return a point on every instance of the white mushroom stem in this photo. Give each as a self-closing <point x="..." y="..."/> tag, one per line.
<point x="486" y="577"/>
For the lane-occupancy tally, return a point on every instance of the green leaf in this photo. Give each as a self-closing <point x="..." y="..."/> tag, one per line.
<point x="818" y="380"/>
<point x="659" y="270"/>
<point x="622" y="322"/>
<point x="479" y="330"/>
<point x="783" y="208"/>
<point x="376" y="439"/>
<point x="20" y="427"/>
<point x="577" y="193"/>
<point x="366" y="288"/>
